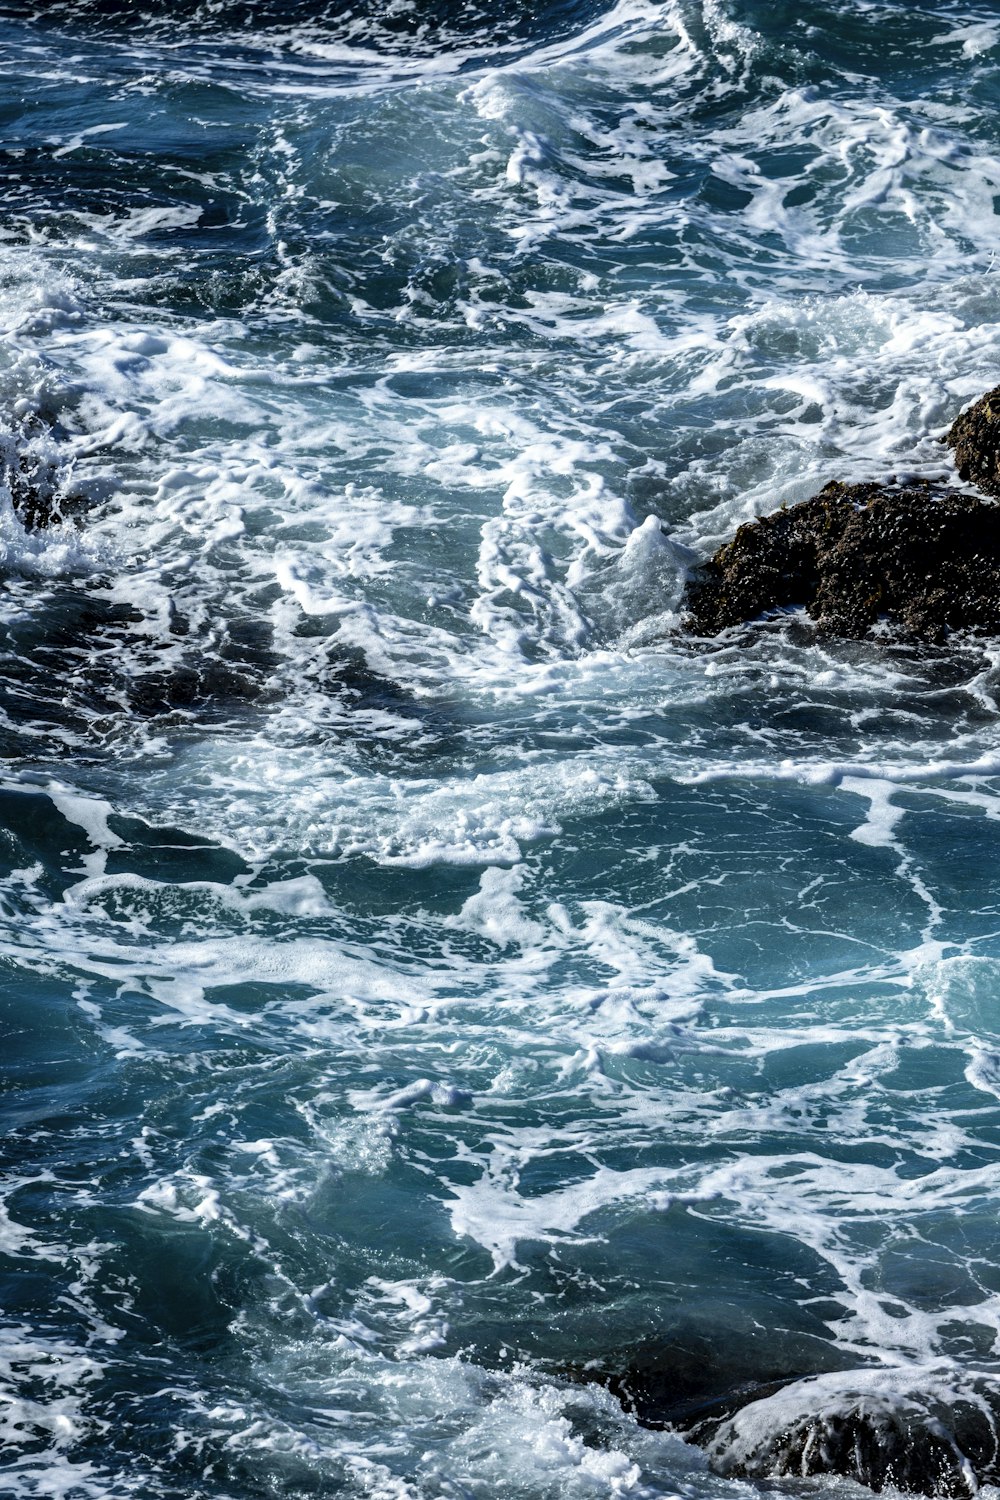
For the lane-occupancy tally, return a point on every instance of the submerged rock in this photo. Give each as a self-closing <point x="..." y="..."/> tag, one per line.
<point x="975" y="437"/>
<point x="928" y="1432"/>
<point x="716" y="1360"/>
<point x="923" y="1429"/>
<point x="923" y="558"/>
<point x="33" y="480"/>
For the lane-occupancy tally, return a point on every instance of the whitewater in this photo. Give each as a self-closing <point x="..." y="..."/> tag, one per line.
<point x="459" y="1032"/>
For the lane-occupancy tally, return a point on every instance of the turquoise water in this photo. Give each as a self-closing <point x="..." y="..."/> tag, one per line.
<point x="453" y="1024"/>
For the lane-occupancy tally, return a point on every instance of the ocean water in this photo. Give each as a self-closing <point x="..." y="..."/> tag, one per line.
<point x="455" y="1028"/>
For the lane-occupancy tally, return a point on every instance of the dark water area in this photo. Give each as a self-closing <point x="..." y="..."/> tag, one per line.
<point x="460" y="1036"/>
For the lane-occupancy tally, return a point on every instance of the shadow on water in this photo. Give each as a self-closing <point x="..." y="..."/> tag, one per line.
<point x="78" y="663"/>
<point x="83" y="674"/>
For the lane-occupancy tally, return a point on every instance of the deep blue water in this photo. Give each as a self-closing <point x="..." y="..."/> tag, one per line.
<point x="428" y="980"/>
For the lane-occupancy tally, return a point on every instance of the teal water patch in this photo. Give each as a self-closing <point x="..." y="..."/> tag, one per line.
<point x="289" y="1128"/>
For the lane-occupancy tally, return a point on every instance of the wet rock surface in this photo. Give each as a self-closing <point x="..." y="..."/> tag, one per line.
<point x="37" y="490"/>
<point x="975" y="437"/>
<point x="904" y="1430"/>
<point x="926" y="1430"/>
<point x="923" y="560"/>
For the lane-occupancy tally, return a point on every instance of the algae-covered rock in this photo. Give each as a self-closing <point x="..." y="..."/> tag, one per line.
<point x="975" y="437"/>
<point x="924" y="559"/>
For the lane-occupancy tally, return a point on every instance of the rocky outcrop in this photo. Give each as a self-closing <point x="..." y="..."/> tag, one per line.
<point x="922" y="559"/>
<point x="975" y="437"/>
<point x="924" y="1431"/>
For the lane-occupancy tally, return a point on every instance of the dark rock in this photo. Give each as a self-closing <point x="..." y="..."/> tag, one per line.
<point x="927" y="1432"/>
<point x="33" y="480"/>
<point x="923" y="559"/>
<point x="975" y="437"/>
